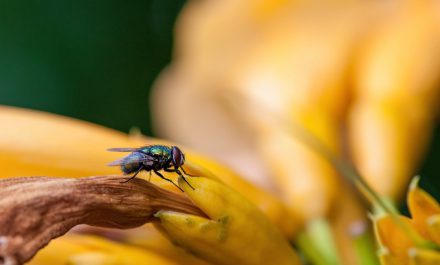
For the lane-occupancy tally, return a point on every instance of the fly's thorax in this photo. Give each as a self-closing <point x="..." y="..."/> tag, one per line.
<point x="161" y="152"/>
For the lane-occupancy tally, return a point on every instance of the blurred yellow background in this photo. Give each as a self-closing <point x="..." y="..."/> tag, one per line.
<point x="229" y="79"/>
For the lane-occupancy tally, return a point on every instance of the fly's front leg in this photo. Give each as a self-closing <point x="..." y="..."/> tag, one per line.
<point x="181" y="175"/>
<point x="161" y="176"/>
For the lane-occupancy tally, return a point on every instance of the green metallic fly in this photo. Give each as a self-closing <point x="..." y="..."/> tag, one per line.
<point x="152" y="158"/>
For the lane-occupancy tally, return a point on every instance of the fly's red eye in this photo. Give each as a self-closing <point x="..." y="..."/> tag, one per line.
<point x="177" y="156"/>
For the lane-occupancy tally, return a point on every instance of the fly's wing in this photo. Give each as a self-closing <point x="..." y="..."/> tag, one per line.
<point x="148" y="160"/>
<point x="135" y="158"/>
<point x="117" y="162"/>
<point x="123" y="149"/>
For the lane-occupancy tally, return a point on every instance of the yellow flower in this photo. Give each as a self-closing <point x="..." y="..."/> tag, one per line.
<point x="411" y="241"/>
<point x="36" y="143"/>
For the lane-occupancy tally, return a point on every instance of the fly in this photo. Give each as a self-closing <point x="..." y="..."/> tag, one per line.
<point x="152" y="158"/>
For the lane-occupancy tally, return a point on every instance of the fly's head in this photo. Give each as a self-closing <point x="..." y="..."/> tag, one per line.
<point x="178" y="158"/>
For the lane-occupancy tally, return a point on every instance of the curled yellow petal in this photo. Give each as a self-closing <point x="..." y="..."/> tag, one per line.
<point x="273" y="207"/>
<point x="236" y="231"/>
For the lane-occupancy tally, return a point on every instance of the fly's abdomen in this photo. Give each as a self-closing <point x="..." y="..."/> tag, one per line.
<point x="131" y="163"/>
<point x="130" y="168"/>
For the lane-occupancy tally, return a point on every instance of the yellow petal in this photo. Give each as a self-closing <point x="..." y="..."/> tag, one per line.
<point x="82" y="249"/>
<point x="307" y="181"/>
<point x="96" y="258"/>
<point x="433" y="224"/>
<point x="38" y="143"/>
<point x="149" y="238"/>
<point x="396" y="91"/>
<point x="388" y="128"/>
<point x="391" y="237"/>
<point x="236" y="231"/>
<point x="386" y="258"/>
<point x="422" y="206"/>
<point x="420" y="256"/>
<point x="386" y="71"/>
<point x="57" y="252"/>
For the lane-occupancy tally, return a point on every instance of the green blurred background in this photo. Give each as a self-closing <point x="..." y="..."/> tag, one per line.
<point x="96" y="61"/>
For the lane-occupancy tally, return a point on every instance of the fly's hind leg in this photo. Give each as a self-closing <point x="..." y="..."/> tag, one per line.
<point x="135" y="174"/>
<point x="161" y="176"/>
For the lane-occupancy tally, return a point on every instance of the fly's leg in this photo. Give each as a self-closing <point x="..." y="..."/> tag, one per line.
<point x="135" y="174"/>
<point x="161" y="176"/>
<point x="175" y="170"/>
<point x="180" y="174"/>
<point x="149" y="178"/>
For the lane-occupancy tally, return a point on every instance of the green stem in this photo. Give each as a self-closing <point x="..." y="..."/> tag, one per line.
<point x="317" y="243"/>
<point x="364" y="244"/>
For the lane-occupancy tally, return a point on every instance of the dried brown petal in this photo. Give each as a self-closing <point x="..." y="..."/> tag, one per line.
<point x="34" y="210"/>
